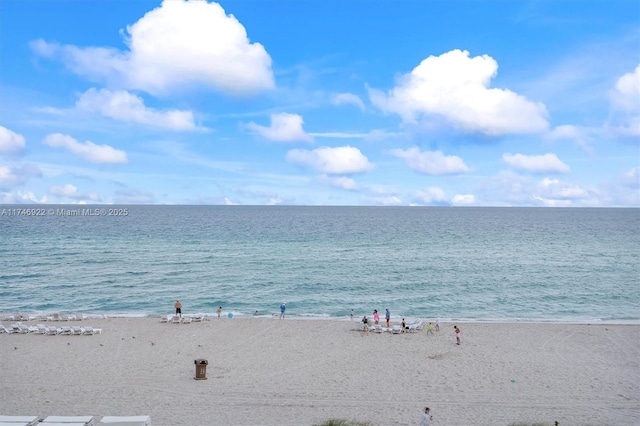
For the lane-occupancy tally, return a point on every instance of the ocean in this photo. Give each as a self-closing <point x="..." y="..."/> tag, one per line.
<point x="453" y="263"/>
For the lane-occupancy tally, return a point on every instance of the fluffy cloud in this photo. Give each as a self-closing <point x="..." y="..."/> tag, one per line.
<point x="430" y="162"/>
<point x="455" y="87"/>
<point x="431" y="195"/>
<point x="284" y="128"/>
<point x="332" y="161"/>
<point x="348" y="99"/>
<point x="342" y="182"/>
<point x="123" y="106"/>
<point x="625" y="100"/>
<point x="463" y="200"/>
<point x="87" y="150"/>
<point x="536" y="163"/>
<point x="10" y="142"/>
<point x="70" y="191"/>
<point x="555" y="193"/>
<point x="14" y="176"/>
<point x="179" y="44"/>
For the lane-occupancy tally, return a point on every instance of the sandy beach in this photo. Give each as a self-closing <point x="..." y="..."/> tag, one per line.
<point x="266" y="371"/>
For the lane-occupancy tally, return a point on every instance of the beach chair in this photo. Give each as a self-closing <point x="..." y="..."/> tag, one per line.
<point x="64" y="330"/>
<point x="197" y="318"/>
<point x="6" y="330"/>
<point x="186" y="320"/>
<point x="19" y="420"/>
<point x="176" y="319"/>
<point x="415" y="326"/>
<point x="42" y="329"/>
<point x="165" y="318"/>
<point x="76" y="330"/>
<point x="126" y="421"/>
<point x="396" y="329"/>
<point x="90" y="331"/>
<point x="68" y="421"/>
<point x="51" y="331"/>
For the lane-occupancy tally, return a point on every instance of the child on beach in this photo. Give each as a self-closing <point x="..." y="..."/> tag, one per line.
<point x="365" y="324"/>
<point x="430" y="329"/>
<point x="457" y="330"/>
<point x="376" y="316"/>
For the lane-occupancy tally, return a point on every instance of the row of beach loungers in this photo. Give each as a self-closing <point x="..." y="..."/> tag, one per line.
<point x="50" y="317"/>
<point x="412" y="327"/>
<point x="74" y="421"/>
<point x="19" y="328"/>
<point x="177" y="319"/>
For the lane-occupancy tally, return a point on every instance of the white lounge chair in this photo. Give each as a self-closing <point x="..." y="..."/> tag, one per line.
<point x="165" y="318"/>
<point x="396" y="329"/>
<point x="51" y="331"/>
<point x="186" y="320"/>
<point x="176" y="319"/>
<point x="126" y="420"/>
<point x="68" y="421"/>
<point x="19" y="420"/>
<point x="76" y="330"/>
<point x="89" y="331"/>
<point x="6" y="330"/>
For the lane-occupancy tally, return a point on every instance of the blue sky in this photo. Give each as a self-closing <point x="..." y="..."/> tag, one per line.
<point x="351" y="102"/>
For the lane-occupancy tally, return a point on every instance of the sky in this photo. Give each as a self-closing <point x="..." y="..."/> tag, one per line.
<point x="320" y="102"/>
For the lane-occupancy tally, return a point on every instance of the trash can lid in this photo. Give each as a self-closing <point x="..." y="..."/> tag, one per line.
<point x="201" y="361"/>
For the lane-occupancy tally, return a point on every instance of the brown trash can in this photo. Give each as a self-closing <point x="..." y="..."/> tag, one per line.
<point x="201" y="368"/>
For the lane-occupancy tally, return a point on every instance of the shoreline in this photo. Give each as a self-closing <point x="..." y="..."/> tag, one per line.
<point x="299" y="372"/>
<point x="33" y="317"/>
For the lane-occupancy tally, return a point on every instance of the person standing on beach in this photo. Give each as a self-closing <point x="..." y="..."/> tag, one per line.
<point x="219" y="311"/>
<point x="376" y="316"/>
<point x="283" y="308"/>
<point x="457" y="330"/>
<point x="178" y="307"/>
<point x="437" y="327"/>
<point x="387" y="316"/>
<point x="365" y="324"/>
<point x="430" y="329"/>
<point x="425" y="419"/>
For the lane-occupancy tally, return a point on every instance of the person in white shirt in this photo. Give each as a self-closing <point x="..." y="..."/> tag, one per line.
<point x="426" y="418"/>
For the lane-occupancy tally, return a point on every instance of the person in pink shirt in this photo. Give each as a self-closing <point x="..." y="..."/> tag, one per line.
<point x="376" y="316"/>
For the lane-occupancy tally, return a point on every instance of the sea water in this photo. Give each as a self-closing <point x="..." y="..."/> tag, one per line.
<point x="452" y="263"/>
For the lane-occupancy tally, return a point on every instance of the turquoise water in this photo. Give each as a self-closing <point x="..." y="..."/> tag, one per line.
<point x="487" y="264"/>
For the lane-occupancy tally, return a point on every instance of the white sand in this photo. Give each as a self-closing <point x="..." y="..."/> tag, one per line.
<point x="296" y="372"/>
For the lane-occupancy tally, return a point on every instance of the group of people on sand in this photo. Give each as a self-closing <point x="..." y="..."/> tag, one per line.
<point x="430" y="327"/>
<point x="376" y="318"/>
<point x="178" y="306"/>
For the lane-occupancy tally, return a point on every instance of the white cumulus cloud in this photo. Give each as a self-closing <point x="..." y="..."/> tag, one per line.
<point x="430" y="162"/>
<point x="176" y="45"/>
<point x="342" y="182"/>
<point x="625" y="100"/>
<point x="463" y="199"/>
<point x="536" y="163"/>
<point x="348" y="99"/>
<point x="71" y="191"/>
<point x="13" y="176"/>
<point x="87" y="150"/>
<point x="124" y="106"/>
<point x="455" y="87"/>
<point x="10" y="142"/>
<point x="331" y="161"/>
<point x="431" y="195"/>
<point x="284" y="128"/>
